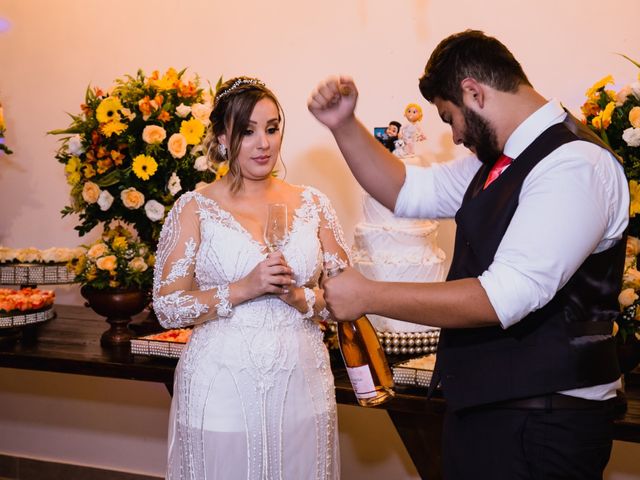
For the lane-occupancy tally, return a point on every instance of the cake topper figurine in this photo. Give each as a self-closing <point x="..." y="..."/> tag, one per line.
<point x="411" y="132"/>
<point x="388" y="136"/>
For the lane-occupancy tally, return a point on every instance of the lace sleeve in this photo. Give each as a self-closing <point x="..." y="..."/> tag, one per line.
<point x="334" y="246"/>
<point x="176" y="299"/>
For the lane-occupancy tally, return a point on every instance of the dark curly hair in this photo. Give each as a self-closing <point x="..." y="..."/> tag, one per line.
<point x="470" y="54"/>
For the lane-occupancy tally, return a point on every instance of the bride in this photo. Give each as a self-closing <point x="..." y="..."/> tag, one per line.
<point x="253" y="391"/>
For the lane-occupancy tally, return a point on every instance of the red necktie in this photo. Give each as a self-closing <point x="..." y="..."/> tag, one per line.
<point x="501" y="164"/>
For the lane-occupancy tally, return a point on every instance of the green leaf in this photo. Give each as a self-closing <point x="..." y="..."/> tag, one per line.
<point x="632" y="61"/>
<point x="109" y="179"/>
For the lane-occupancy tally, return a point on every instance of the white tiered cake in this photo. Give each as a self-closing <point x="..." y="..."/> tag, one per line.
<point x="388" y="248"/>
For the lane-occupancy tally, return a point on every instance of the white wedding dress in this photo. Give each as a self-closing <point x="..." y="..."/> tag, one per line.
<point x="254" y="396"/>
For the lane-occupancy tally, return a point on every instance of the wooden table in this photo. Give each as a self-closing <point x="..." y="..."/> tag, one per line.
<point x="70" y="343"/>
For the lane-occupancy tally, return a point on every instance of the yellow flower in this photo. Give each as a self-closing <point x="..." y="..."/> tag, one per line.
<point x="222" y="170"/>
<point x="634" y="117"/>
<point x="598" y="85"/>
<point x="615" y="329"/>
<point x="109" y="263"/>
<point x="108" y="110"/>
<point x="119" y="243"/>
<point x="92" y="273"/>
<point x="606" y="114"/>
<point x="72" y="165"/>
<point x="192" y="130"/>
<point x="89" y="171"/>
<point x="634" y="190"/>
<point x="1" y="120"/>
<point x="114" y="283"/>
<point x="110" y="128"/>
<point x="74" y="178"/>
<point x="168" y="80"/>
<point x="144" y="166"/>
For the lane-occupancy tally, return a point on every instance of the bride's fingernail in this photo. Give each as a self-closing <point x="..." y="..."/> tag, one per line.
<point x="285" y="290"/>
<point x="293" y="281"/>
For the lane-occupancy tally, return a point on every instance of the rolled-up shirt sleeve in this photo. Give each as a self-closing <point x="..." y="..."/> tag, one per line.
<point x="568" y="209"/>
<point x="435" y="191"/>
<point x="573" y="203"/>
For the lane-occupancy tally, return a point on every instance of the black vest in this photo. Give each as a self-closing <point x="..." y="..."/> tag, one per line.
<point x="564" y="345"/>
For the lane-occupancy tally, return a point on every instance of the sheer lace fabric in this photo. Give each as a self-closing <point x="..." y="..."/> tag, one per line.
<point x="253" y="392"/>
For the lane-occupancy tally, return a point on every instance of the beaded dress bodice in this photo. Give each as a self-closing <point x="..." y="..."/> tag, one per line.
<point x="248" y="385"/>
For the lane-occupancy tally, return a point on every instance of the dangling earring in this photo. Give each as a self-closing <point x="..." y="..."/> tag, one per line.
<point x="222" y="150"/>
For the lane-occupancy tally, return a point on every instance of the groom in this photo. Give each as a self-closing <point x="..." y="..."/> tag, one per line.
<point x="526" y="359"/>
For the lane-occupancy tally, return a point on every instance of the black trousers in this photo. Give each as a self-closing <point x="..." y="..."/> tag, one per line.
<point x="511" y="443"/>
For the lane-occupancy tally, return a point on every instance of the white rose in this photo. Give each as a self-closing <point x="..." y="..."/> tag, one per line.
<point x="196" y="149"/>
<point x="201" y="112"/>
<point x="632" y="136"/>
<point x="173" y="185"/>
<point x="128" y="113"/>
<point x="75" y="145"/>
<point x="154" y="210"/>
<point x="622" y="95"/>
<point x="105" y="200"/>
<point x="153" y="134"/>
<point x="201" y="164"/>
<point x="183" y="110"/>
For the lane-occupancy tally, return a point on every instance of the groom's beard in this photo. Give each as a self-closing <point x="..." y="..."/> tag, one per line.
<point x="480" y="136"/>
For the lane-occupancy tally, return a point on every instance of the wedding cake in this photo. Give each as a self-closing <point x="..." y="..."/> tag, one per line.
<point x="389" y="248"/>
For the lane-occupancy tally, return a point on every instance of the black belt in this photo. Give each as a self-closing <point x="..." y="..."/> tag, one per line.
<point x="553" y="401"/>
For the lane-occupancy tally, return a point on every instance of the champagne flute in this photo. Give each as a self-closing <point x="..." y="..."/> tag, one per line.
<point x="275" y="231"/>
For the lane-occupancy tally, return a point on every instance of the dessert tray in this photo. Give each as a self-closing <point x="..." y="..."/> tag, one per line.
<point x="25" y="306"/>
<point x="35" y="274"/>
<point x="169" y="343"/>
<point x="416" y="372"/>
<point x="27" y="318"/>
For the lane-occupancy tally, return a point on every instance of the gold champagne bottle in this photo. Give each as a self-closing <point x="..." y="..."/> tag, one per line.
<point x="364" y="358"/>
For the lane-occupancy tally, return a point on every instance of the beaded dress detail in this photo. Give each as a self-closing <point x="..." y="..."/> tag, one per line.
<point x="254" y="395"/>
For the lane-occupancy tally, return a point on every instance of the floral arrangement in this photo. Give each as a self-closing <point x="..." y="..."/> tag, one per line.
<point x="135" y="149"/>
<point x="24" y="300"/>
<point x="35" y="255"/>
<point x="628" y="323"/>
<point x="615" y="118"/>
<point x="115" y="261"/>
<point x="3" y="128"/>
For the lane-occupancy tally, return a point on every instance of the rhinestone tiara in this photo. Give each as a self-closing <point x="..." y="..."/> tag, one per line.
<point x="238" y="83"/>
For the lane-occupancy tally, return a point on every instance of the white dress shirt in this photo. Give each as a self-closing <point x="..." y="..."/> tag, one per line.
<point x="573" y="203"/>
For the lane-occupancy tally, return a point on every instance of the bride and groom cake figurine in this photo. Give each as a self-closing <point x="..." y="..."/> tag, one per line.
<point x="388" y="248"/>
<point x="401" y="139"/>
